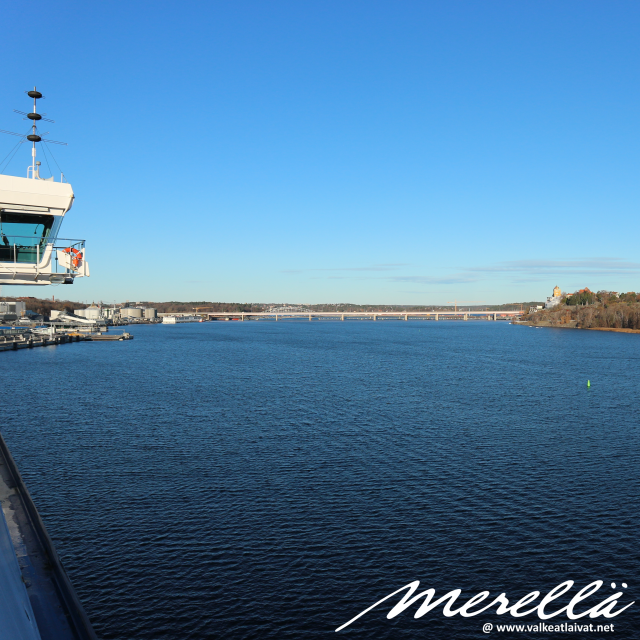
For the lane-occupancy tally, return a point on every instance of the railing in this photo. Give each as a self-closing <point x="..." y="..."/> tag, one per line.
<point x="13" y="331"/>
<point x="32" y="250"/>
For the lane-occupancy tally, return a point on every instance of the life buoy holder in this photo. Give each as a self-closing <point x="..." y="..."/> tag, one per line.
<point x="76" y="256"/>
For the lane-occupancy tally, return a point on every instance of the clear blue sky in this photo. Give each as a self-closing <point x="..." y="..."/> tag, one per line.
<point x="367" y="151"/>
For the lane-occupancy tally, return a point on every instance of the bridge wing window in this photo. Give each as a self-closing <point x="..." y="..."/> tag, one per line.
<point x="26" y="226"/>
<point x="20" y="235"/>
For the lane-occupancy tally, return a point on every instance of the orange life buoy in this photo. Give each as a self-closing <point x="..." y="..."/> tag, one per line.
<point x="76" y="256"/>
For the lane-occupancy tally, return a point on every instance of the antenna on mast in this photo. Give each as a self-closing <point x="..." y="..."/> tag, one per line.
<point x="33" y="137"/>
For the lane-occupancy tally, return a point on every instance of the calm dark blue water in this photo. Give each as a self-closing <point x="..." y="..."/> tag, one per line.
<point x="263" y="480"/>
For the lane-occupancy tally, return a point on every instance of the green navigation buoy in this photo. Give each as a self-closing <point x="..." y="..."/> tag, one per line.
<point x="588" y="383"/>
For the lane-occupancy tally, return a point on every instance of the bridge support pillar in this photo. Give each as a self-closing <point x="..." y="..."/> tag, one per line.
<point x="466" y="317"/>
<point x="375" y="317"/>
<point x="495" y="316"/>
<point x="243" y="317"/>
<point x="406" y="317"/>
<point x="309" y="317"/>
<point x="437" y="316"/>
<point x="342" y="318"/>
<point x="276" y="317"/>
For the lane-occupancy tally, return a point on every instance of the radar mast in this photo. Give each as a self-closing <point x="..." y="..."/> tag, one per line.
<point x="34" y="137"/>
<point x="33" y="171"/>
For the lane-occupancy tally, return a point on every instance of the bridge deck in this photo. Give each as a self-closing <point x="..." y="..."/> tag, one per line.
<point x="400" y="315"/>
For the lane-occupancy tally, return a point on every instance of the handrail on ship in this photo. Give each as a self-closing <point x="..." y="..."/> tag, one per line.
<point x="29" y="254"/>
<point x="42" y="241"/>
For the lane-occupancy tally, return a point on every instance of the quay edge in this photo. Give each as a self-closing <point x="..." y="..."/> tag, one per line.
<point x="41" y="577"/>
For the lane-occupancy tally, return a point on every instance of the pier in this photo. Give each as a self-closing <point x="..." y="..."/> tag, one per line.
<point x="364" y="315"/>
<point x="27" y="340"/>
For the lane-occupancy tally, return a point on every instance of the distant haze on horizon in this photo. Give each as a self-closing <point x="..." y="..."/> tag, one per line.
<point x="412" y="152"/>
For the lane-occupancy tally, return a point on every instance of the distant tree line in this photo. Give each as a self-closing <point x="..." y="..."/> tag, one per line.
<point x="581" y="298"/>
<point x="189" y="307"/>
<point x="44" y="306"/>
<point x="586" y="297"/>
<point x="347" y="307"/>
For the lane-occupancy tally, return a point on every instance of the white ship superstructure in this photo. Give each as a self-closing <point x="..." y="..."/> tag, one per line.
<point x="179" y="319"/>
<point x="31" y="212"/>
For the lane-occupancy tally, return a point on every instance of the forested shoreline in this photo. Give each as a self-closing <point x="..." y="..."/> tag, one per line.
<point x="607" y="312"/>
<point x="44" y="306"/>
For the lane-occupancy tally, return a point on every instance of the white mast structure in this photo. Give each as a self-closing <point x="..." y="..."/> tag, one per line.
<point x="34" y="137"/>
<point x="34" y="116"/>
<point x="31" y="212"/>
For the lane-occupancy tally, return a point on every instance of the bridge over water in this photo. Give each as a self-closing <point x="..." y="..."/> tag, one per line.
<point x="364" y="315"/>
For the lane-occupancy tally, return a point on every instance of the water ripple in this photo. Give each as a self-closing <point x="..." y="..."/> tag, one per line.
<point x="253" y="480"/>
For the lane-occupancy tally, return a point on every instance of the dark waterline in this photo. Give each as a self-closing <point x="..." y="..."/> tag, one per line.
<point x="263" y="480"/>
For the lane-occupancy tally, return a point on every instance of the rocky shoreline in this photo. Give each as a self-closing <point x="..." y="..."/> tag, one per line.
<point x="573" y="325"/>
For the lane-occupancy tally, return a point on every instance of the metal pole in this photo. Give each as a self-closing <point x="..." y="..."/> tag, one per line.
<point x="33" y="150"/>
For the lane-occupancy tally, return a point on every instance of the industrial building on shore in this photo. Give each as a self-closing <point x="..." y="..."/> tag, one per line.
<point x="16" y="313"/>
<point x="119" y="314"/>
